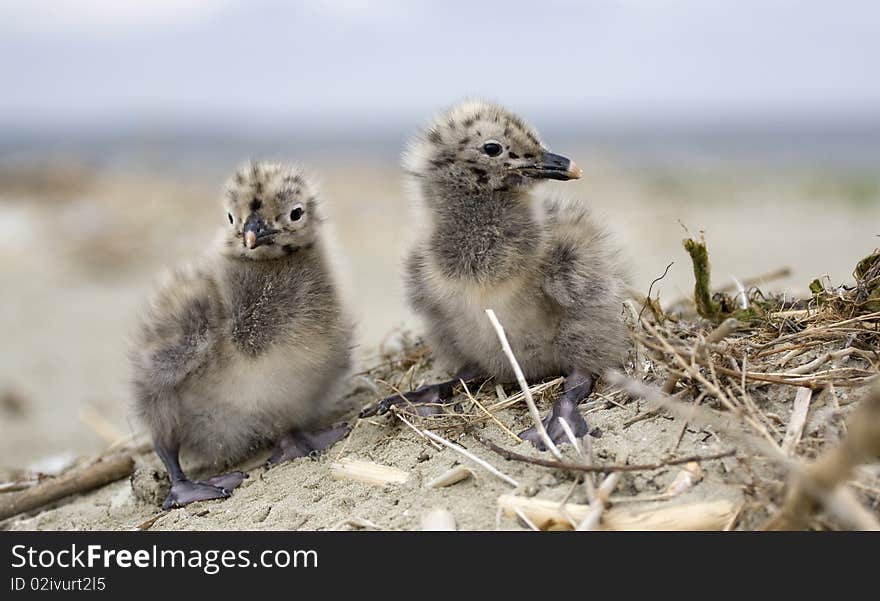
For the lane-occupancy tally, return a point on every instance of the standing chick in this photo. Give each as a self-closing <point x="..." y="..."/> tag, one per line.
<point x="492" y="242"/>
<point x="249" y="345"/>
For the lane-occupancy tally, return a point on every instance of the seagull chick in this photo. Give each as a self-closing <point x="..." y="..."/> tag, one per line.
<point x="495" y="242"/>
<point x="250" y="344"/>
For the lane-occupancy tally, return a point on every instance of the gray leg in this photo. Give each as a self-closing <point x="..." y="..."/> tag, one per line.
<point x="185" y="491"/>
<point x="578" y="386"/>
<point x="426" y="398"/>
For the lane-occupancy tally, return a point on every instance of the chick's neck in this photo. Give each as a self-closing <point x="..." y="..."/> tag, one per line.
<point x="485" y="237"/>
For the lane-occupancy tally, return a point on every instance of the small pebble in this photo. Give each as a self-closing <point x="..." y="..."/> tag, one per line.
<point x="530" y="490"/>
<point x="548" y="480"/>
<point x="260" y="514"/>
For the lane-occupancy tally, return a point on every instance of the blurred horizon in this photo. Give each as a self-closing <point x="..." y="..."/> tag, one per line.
<point x="188" y="84"/>
<point x="260" y="64"/>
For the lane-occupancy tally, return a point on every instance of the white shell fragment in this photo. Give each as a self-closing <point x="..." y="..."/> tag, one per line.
<point x="438" y="519"/>
<point x="367" y="472"/>
<point x="450" y="477"/>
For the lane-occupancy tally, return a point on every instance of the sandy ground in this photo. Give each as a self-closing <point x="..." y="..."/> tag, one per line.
<point x="79" y="253"/>
<point x="302" y="494"/>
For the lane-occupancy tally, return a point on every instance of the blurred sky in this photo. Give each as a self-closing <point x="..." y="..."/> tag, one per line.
<point x="342" y="62"/>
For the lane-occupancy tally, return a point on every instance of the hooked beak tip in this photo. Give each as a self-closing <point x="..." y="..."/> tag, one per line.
<point x="574" y="172"/>
<point x="250" y="239"/>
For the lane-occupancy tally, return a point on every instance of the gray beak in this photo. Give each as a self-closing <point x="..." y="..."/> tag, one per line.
<point x="553" y="166"/>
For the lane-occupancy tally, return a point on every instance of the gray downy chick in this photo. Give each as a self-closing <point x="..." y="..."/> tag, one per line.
<point x="493" y="241"/>
<point x="250" y="344"/>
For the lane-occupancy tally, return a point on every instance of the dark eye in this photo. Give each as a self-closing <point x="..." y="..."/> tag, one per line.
<point x="493" y="149"/>
<point x="296" y="214"/>
<point x="229" y="215"/>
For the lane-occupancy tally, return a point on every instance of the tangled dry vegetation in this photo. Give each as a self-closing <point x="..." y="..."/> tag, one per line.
<point x="757" y="371"/>
<point x="779" y="391"/>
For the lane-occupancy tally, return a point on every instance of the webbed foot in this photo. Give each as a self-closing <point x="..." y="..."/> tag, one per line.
<point x="561" y="409"/>
<point x="184" y="492"/>
<point x="298" y="443"/>
<point x="228" y="481"/>
<point x="425" y="400"/>
<point x="428" y="399"/>
<point x="578" y="386"/>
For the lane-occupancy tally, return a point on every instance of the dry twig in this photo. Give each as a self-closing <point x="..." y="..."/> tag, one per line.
<point x="521" y="379"/>
<point x="548" y="515"/>
<point x="798" y="421"/>
<point x="577" y="467"/>
<point x="820" y="481"/>
<point x="461" y="450"/>
<point x="75" y="481"/>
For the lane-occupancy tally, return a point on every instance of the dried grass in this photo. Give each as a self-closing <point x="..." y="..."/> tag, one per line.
<point x="754" y="347"/>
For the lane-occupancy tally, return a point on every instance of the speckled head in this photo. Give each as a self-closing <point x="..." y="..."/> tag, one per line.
<point x="271" y="211"/>
<point x="478" y="146"/>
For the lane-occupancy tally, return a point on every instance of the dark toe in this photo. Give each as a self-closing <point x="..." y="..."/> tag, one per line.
<point x="421" y="399"/>
<point x="186" y="492"/>
<point x="555" y="430"/>
<point x="323" y="439"/>
<point x="228" y="481"/>
<point x="374" y="409"/>
<point x="383" y="406"/>
<point x="575" y="421"/>
<point x="286" y="453"/>
<point x="531" y="435"/>
<point x="298" y="444"/>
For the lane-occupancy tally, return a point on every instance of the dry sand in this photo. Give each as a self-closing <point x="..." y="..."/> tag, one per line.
<point x="302" y="494"/>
